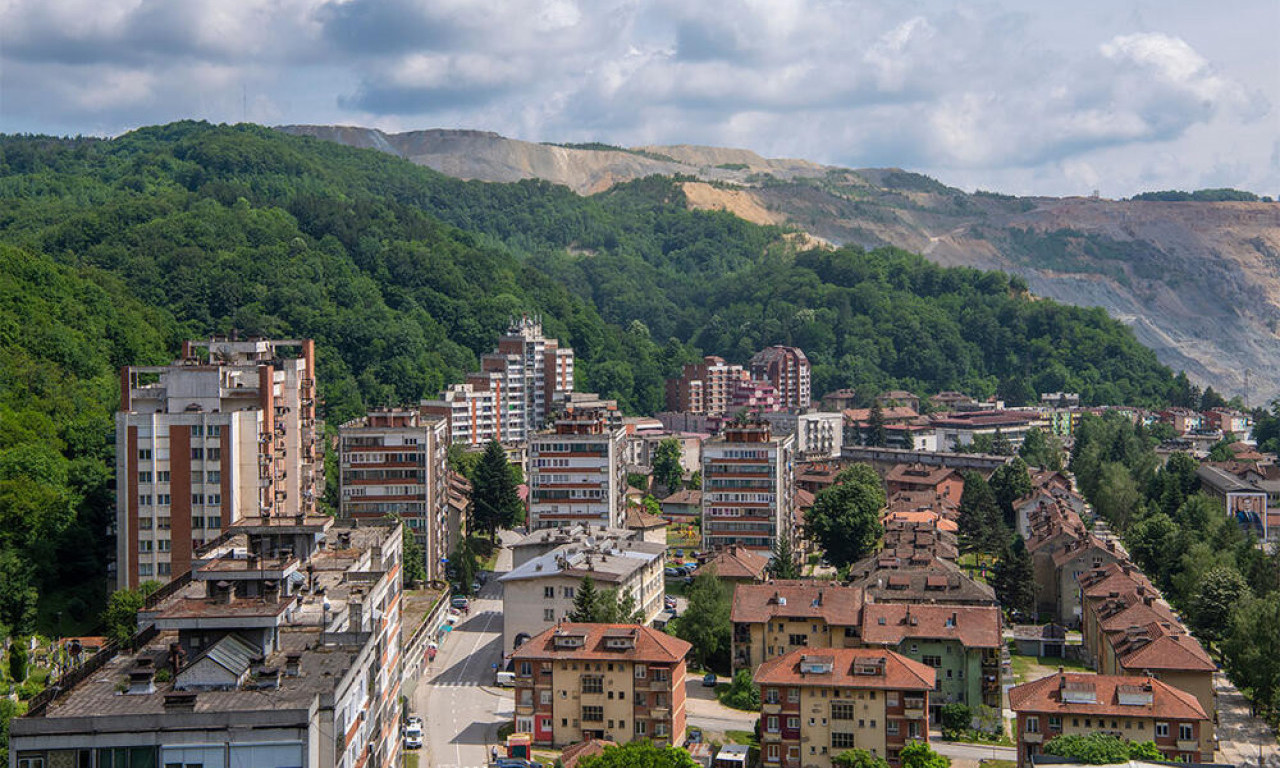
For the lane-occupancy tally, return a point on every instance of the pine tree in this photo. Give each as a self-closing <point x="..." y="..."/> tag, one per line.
<point x="1013" y="579"/>
<point x="783" y="563"/>
<point x="877" y="435"/>
<point x="667" y="469"/>
<point x="979" y="519"/>
<point x="586" y="602"/>
<point x="495" y="499"/>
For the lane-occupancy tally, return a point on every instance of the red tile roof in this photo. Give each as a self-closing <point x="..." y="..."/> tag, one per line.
<point x="1159" y="646"/>
<point x="639" y="519"/>
<point x="651" y="646"/>
<point x="836" y="604"/>
<point x="571" y="754"/>
<point x="975" y="626"/>
<point x="738" y="563"/>
<point x="919" y="474"/>
<point x="1044" y="696"/>
<point x="866" y="668"/>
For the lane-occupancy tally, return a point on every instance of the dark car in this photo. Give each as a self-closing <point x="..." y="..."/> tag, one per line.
<point x="709" y="680"/>
<point x="672" y="573"/>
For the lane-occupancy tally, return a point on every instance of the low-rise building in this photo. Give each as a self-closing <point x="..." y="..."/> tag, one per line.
<point x="773" y="618"/>
<point x="281" y="647"/>
<point x="943" y="482"/>
<point x="886" y="578"/>
<point x="1073" y="561"/>
<point x="816" y="704"/>
<point x="1131" y="708"/>
<point x="961" y="642"/>
<point x="646" y="527"/>
<point x="683" y="506"/>
<point x="540" y="592"/>
<point x="620" y="682"/>
<point x="957" y="430"/>
<point x="737" y="565"/>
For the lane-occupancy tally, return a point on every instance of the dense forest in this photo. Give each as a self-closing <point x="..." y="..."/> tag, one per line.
<point x="115" y="250"/>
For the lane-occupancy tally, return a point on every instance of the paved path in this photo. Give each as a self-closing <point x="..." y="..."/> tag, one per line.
<point x="1242" y="739"/>
<point x="703" y="711"/>
<point x="458" y="703"/>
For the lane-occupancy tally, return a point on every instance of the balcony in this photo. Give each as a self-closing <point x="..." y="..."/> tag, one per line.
<point x="913" y="709"/>
<point x="771" y="736"/>
<point x="1187" y="745"/>
<point x="771" y="707"/>
<point x="1032" y="738"/>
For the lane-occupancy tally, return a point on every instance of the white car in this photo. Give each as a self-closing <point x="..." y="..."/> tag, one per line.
<point x="413" y="736"/>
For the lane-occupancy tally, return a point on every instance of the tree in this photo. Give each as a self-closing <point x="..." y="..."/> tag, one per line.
<point x="461" y="460"/>
<point x="464" y="565"/>
<point x="18" y="660"/>
<point x="667" y="469"/>
<point x="705" y="623"/>
<point x="495" y="499"/>
<point x="858" y="758"/>
<point x="621" y="607"/>
<point x="956" y="718"/>
<point x="121" y="615"/>
<point x="782" y="565"/>
<point x="586" y="603"/>
<point x="1252" y="651"/>
<point x="695" y="480"/>
<point x="917" y="754"/>
<point x="18" y="597"/>
<point x="845" y="519"/>
<point x="1221" y="450"/>
<point x="1000" y="444"/>
<point x="1100" y="748"/>
<point x="877" y="435"/>
<point x="1010" y="482"/>
<point x="639" y="754"/>
<point x="1042" y="451"/>
<point x="979" y="522"/>
<point x="1013" y="578"/>
<point x="742" y="693"/>
<point x="1216" y="597"/>
<point x="1118" y="497"/>
<point x="415" y="568"/>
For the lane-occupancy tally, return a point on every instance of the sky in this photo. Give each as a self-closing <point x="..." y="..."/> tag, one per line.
<point x="1031" y="97"/>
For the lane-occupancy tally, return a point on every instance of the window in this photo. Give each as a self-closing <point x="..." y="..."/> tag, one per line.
<point x="30" y="761"/>
<point x="144" y="499"/>
<point x="842" y="740"/>
<point x="891" y="727"/>
<point x="144" y="569"/>
<point x="661" y="674"/>
<point x="1162" y="729"/>
<point x="548" y="593"/>
<point x="524" y="724"/>
<point x="932" y="661"/>
<point x="1055" y="723"/>
<point x="144" y="523"/>
<point x="213" y="454"/>
<point x="567" y="592"/>
<point x="640" y="671"/>
<point x="593" y="714"/>
<point x="641" y="727"/>
<point x="213" y="476"/>
<point x="144" y="477"/>
<point x="162" y="545"/>
<point x="548" y="614"/>
<point x="771" y="724"/>
<point x="162" y="475"/>
<point x="197" y="453"/>
<point x="163" y="499"/>
<point x="213" y="521"/>
<point x="526" y="668"/>
<point x="891" y="698"/>
<point x="1033" y="725"/>
<point x="144" y="454"/>
<point x="771" y="755"/>
<point x="660" y="729"/>
<point x="593" y="684"/>
<point x="1184" y="732"/>
<point x="841" y="711"/>
<point x="214" y="430"/>
<point x="197" y="499"/>
<point x="793" y="695"/>
<point x="641" y="699"/>
<point x="544" y="697"/>
<point x="771" y="696"/>
<point x="793" y="723"/>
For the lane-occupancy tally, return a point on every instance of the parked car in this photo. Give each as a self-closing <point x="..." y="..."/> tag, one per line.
<point x="709" y="680"/>
<point x="504" y="679"/>
<point x="461" y="603"/>
<point x="672" y="573"/>
<point x="413" y="737"/>
<point x="413" y="720"/>
<point x="669" y="602"/>
<point x="679" y="553"/>
<point x="475" y="587"/>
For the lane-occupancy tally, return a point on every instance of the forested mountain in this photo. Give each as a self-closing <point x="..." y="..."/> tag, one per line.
<point x="1195" y="274"/>
<point x="115" y="250"/>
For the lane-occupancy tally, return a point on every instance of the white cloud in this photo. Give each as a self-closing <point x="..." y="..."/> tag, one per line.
<point x="986" y="93"/>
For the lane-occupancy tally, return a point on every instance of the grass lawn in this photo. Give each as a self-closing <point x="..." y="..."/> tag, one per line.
<point x="1028" y="668"/>
<point x="742" y="737"/>
<point x="998" y="764"/>
<point x="410" y="759"/>
<point x="682" y="537"/>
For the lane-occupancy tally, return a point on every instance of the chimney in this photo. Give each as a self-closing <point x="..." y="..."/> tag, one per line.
<point x="271" y="591"/>
<point x="142" y="677"/>
<point x="293" y="664"/>
<point x="223" y="594"/>
<point x="1148" y="600"/>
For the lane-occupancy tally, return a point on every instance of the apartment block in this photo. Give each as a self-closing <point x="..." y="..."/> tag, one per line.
<point x="1132" y="708"/>
<point x="280" y="647"/>
<point x="393" y="462"/>
<point x="777" y="617"/>
<point x="705" y="388"/>
<point x="540" y="591"/>
<point x="817" y="704"/>
<point x="227" y="432"/>
<point x="748" y="487"/>
<point x="576" y="472"/>
<point x="514" y="392"/>
<point x="619" y="682"/>
<point x="787" y="369"/>
<point x="961" y="642"/>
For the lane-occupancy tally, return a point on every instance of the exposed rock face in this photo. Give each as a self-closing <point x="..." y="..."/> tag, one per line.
<point x="1198" y="282"/>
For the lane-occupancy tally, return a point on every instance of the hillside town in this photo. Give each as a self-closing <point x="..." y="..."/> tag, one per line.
<point x="514" y="572"/>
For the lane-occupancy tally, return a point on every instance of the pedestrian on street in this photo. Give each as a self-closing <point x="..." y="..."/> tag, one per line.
<point x="493" y="754"/>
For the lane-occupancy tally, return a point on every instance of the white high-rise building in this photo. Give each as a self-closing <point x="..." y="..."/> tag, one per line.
<point x="576" y="472"/>
<point x="748" y="487"/>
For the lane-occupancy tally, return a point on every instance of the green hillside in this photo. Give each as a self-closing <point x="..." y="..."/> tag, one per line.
<point x="403" y="276"/>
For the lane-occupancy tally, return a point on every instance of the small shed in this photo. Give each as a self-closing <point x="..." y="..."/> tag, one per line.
<point x="701" y="753"/>
<point x="733" y="756"/>
<point x="1040" y="639"/>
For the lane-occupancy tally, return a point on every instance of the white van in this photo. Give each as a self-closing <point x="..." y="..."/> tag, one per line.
<point x="504" y="679"/>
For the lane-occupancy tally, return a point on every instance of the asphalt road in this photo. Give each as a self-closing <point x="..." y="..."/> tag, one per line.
<point x="460" y="707"/>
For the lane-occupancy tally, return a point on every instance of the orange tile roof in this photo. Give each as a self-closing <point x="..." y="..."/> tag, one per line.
<point x="571" y="754"/>
<point x="892" y="671"/>
<point x="1161" y="646"/>
<point x="638" y="518"/>
<point x="1044" y="696"/>
<point x="975" y="626"/>
<point x="918" y="474"/>
<point x="651" y="646"/>
<point x="738" y="563"/>
<point x="836" y="604"/>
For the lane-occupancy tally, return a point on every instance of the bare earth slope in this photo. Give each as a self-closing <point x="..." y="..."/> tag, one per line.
<point x="1198" y="282"/>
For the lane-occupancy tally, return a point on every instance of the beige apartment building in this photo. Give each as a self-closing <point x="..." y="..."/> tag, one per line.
<point x="818" y="704"/>
<point x="1137" y="708"/>
<point x="393" y="461"/>
<point x="777" y="617"/>
<point x="576" y="472"/>
<point x="619" y="682"/>
<point x="539" y="593"/>
<point x="228" y="431"/>
<point x="748" y="488"/>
